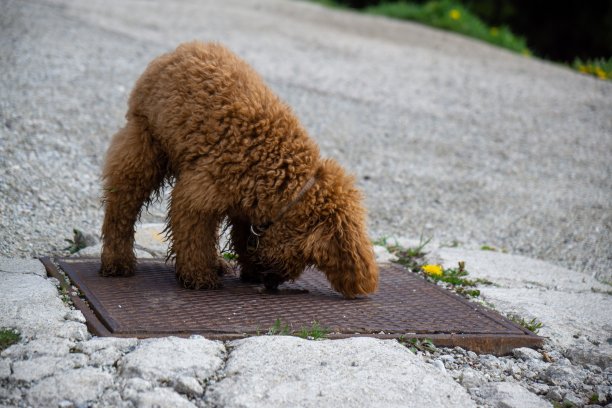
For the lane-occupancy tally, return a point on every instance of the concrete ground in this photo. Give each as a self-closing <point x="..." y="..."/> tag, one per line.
<point x="449" y="138"/>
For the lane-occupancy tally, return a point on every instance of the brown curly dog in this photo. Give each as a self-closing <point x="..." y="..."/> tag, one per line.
<point x="203" y="119"/>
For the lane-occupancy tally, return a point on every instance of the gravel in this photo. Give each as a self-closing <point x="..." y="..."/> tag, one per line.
<point x="553" y="378"/>
<point x="448" y="137"/>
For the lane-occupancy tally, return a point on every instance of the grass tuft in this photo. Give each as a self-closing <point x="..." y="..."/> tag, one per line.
<point x="415" y="344"/>
<point x="532" y="325"/>
<point x="314" y="332"/>
<point x="448" y="15"/>
<point x="278" y="329"/>
<point x="601" y="68"/>
<point x="411" y="258"/>
<point x="77" y="243"/>
<point x="8" y="337"/>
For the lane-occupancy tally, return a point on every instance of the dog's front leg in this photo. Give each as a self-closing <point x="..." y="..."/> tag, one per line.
<point x="193" y="233"/>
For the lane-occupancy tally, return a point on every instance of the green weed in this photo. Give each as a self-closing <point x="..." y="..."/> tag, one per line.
<point x="314" y="332"/>
<point x="76" y="243"/>
<point x="457" y="279"/>
<point x="448" y="15"/>
<point x="601" y="68"/>
<point x="8" y="337"/>
<point x="229" y="256"/>
<point x="488" y="248"/>
<point x="411" y="258"/>
<point x="415" y="344"/>
<point x="532" y="325"/>
<point x="278" y="329"/>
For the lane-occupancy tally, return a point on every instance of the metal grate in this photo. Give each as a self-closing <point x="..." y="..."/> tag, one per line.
<point x="152" y="303"/>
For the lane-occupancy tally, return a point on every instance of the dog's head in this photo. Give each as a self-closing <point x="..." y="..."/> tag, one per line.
<point x="327" y="230"/>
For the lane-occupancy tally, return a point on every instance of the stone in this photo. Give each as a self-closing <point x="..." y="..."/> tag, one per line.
<point x="10" y="397"/>
<point x="447" y="358"/>
<point x="106" y="351"/>
<point x="439" y="365"/>
<point x="525" y="353"/>
<point x="43" y="346"/>
<point x="560" y="373"/>
<point x="188" y="385"/>
<point x="587" y="354"/>
<point x="555" y="394"/>
<point x="111" y="398"/>
<point x="383" y="255"/>
<point x="100" y="343"/>
<point x="490" y="361"/>
<point x="75" y="316"/>
<point x="78" y="386"/>
<point x="138" y="384"/>
<point x="604" y="392"/>
<point x="163" y="397"/>
<point x="286" y="371"/>
<point x="539" y="388"/>
<point x="30" y="304"/>
<point x="510" y="395"/>
<point x="165" y="359"/>
<point x="73" y="331"/>
<point x="105" y="358"/>
<point x="38" y="368"/>
<point x="471" y="378"/>
<point x="573" y="400"/>
<point x="25" y="266"/>
<point x="5" y="368"/>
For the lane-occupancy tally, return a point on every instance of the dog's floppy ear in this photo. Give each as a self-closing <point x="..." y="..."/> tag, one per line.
<point x="341" y="250"/>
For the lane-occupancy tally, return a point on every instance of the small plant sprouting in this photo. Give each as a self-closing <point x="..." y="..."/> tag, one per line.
<point x="488" y="248"/>
<point x="456" y="278"/>
<point x="382" y="241"/>
<point x="229" y="256"/>
<point x="314" y="332"/>
<point x="532" y="325"/>
<point x="414" y="344"/>
<point x="77" y="243"/>
<point x="8" y="337"/>
<point x="411" y="258"/>
<point x="278" y="329"/>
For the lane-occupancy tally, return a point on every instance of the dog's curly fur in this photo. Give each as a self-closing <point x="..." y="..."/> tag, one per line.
<point x="202" y="117"/>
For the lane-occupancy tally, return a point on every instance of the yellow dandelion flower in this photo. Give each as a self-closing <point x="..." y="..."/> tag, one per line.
<point x="582" y="68"/>
<point x="601" y="74"/>
<point x="455" y="14"/>
<point x="433" y="270"/>
<point x="494" y="31"/>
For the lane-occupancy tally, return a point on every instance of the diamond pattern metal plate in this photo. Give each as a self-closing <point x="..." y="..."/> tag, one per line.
<point x="152" y="303"/>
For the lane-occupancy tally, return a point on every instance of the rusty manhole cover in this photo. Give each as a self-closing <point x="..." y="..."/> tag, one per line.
<point x="152" y="303"/>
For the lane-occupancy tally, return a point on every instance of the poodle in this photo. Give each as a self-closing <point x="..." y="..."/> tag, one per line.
<point x="202" y="120"/>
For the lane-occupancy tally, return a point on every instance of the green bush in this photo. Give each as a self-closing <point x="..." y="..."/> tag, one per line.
<point x="453" y="16"/>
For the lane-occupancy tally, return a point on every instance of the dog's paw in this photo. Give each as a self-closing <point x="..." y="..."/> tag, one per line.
<point x="117" y="268"/>
<point x="249" y="275"/>
<point x="199" y="282"/>
<point x="272" y="281"/>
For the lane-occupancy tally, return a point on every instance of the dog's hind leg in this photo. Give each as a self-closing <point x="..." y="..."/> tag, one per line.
<point x="134" y="168"/>
<point x="194" y="219"/>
